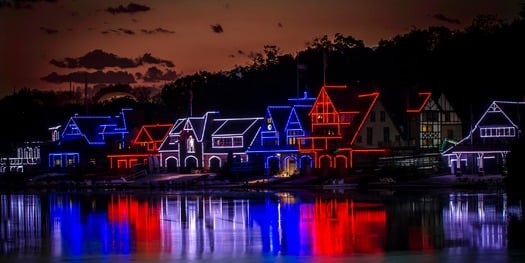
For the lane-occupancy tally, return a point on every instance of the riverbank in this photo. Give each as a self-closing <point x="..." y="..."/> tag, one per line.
<point x="210" y="180"/>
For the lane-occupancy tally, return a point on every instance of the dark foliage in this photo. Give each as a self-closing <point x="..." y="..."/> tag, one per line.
<point x="471" y="67"/>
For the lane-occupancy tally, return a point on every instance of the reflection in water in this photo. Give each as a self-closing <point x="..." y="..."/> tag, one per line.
<point x="478" y="220"/>
<point x="21" y="225"/>
<point x="221" y="226"/>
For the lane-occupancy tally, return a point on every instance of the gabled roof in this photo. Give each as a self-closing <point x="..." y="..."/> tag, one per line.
<point x="506" y="117"/>
<point x="284" y="117"/>
<point x="152" y="133"/>
<point x="247" y="128"/>
<point x="340" y="97"/>
<point x="302" y="115"/>
<point x="364" y="104"/>
<point x="94" y="128"/>
<point x="197" y="125"/>
<point x="401" y="105"/>
<point x="236" y="126"/>
<point x="355" y="100"/>
<point x="293" y="122"/>
<point x="415" y="103"/>
<point x="279" y="115"/>
<point x="513" y="113"/>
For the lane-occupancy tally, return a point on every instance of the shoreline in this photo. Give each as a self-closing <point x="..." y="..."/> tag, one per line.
<point x="174" y="181"/>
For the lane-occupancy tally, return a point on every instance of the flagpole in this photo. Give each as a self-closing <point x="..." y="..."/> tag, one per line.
<point x="297" y="77"/>
<point x="324" y="67"/>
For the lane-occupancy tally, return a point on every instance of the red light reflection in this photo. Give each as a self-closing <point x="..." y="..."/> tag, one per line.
<point x="142" y="218"/>
<point x="344" y="227"/>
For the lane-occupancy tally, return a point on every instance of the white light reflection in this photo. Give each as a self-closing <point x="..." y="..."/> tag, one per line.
<point x="203" y="225"/>
<point x="482" y="225"/>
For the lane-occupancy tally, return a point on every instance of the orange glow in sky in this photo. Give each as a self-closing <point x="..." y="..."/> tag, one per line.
<point x="198" y="35"/>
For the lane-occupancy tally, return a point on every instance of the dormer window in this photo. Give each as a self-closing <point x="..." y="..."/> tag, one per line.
<point x="55" y="135"/>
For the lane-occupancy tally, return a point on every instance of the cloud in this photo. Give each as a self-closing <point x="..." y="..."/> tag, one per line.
<point x="98" y="77"/>
<point x="158" y="30"/>
<point x="99" y="59"/>
<point x="153" y="74"/>
<point x="443" y="18"/>
<point x="96" y="59"/>
<point x="21" y="4"/>
<point x="149" y="59"/>
<point x="217" y="28"/>
<point x="49" y="31"/>
<point x="131" y="8"/>
<point x="118" y="31"/>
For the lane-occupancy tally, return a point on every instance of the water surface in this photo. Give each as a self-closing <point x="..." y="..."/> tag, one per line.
<point x="260" y="226"/>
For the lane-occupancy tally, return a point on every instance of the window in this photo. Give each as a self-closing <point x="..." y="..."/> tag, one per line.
<point x="237" y="141"/>
<point x="372" y="116"/>
<point x="382" y="116"/>
<point x="430" y="116"/>
<point x="292" y="136"/>
<point x="347" y="117"/>
<point x="447" y="116"/>
<point x="386" y="134"/>
<point x="173" y="139"/>
<point x="229" y="142"/>
<point x="426" y="128"/>
<point x="369" y="135"/>
<point x="497" y="132"/>
<point x="56" y="135"/>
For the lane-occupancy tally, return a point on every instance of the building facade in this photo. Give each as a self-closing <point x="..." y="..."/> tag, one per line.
<point x="485" y="149"/>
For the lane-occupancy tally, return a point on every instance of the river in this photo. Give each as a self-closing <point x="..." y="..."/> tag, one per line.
<point x="262" y="226"/>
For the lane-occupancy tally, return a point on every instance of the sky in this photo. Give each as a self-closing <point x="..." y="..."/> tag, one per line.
<point x="62" y="44"/>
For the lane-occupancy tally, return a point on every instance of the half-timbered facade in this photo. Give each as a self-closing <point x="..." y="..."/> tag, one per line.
<point x="413" y="127"/>
<point x="336" y="118"/>
<point x="143" y="150"/>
